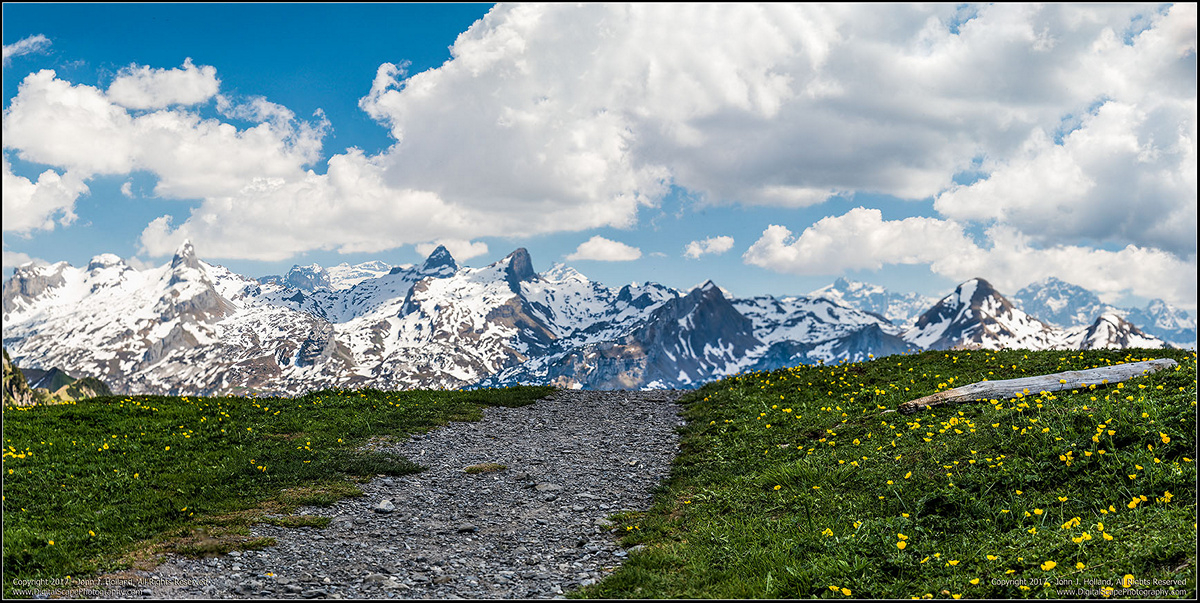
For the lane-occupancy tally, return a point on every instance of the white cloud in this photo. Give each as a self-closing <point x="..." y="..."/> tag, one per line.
<point x="862" y="240"/>
<point x="141" y="87"/>
<point x="127" y="188"/>
<point x="35" y="43"/>
<point x="77" y="127"/>
<point x="857" y="240"/>
<point x="802" y="102"/>
<point x="604" y="250"/>
<point x="29" y="205"/>
<point x="459" y="249"/>
<point x="12" y="259"/>
<point x="1125" y="170"/>
<point x="715" y="245"/>
<point x="553" y="117"/>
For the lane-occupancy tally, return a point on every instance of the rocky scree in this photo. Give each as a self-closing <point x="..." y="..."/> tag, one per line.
<point x="533" y="530"/>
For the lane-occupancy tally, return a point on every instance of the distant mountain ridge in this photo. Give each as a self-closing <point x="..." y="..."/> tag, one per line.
<point x="977" y="316"/>
<point x="1065" y="305"/>
<point x="900" y="308"/>
<point x="190" y="327"/>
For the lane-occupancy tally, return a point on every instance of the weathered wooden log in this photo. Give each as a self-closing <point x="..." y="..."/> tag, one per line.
<point x="1026" y="386"/>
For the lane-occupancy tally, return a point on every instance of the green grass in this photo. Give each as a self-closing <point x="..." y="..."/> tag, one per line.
<point x="105" y="483"/>
<point x="796" y="483"/>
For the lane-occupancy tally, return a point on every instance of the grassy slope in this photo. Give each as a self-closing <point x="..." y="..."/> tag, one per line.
<point x="795" y="484"/>
<point x="87" y="482"/>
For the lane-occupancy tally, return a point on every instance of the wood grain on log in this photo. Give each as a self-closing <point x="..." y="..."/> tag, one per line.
<point x="1026" y="386"/>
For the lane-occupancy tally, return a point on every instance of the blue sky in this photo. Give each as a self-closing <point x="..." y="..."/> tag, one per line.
<point x="786" y="144"/>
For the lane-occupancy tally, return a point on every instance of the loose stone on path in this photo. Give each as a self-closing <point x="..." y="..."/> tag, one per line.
<point x="534" y="530"/>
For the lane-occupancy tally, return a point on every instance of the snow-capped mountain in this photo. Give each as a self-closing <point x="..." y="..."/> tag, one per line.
<point x="1111" y="331"/>
<point x="1065" y="305"/>
<point x="190" y="327"/>
<point x="1166" y="322"/>
<point x="977" y="316"/>
<point x="303" y="278"/>
<point x="652" y="338"/>
<point x="1060" y="303"/>
<point x="803" y="330"/>
<point x="902" y="309"/>
<point x="344" y="276"/>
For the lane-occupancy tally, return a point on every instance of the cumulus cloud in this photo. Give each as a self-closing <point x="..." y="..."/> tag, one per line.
<point x="78" y="127"/>
<point x="553" y="117"/>
<point x="858" y="240"/>
<point x="35" y="43"/>
<point x="142" y="87"/>
<point x="714" y="245"/>
<point x="1123" y="170"/>
<point x="39" y="205"/>
<point x="604" y="250"/>
<point x="459" y="249"/>
<point x="862" y="240"/>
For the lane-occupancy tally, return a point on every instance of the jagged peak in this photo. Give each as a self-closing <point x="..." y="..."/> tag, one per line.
<point x="707" y="289"/>
<point x="519" y="266"/>
<point x="185" y="255"/>
<point x="439" y="260"/>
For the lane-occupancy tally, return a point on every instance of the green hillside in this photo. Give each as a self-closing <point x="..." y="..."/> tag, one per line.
<point x="797" y="483"/>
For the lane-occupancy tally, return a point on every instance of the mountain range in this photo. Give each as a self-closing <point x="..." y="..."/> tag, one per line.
<point x="192" y="327"/>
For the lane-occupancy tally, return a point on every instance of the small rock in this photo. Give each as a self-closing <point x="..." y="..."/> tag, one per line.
<point x="465" y="528"/>
<point x="547" y="487"/>
<point x="384" y="506"/>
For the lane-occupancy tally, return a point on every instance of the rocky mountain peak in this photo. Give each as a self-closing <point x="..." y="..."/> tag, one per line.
<point x="30" y="281"/>
<point x="185" y="256"/>
<point x="519" y="268"/>
<point x="976" y="315"/>
<point x="439" y="261"/>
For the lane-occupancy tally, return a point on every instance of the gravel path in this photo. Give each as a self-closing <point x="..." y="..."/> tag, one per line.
<point x="534" y="530"/>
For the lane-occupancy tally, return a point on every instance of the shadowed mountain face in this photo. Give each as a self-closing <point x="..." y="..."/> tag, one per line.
<point x="190" y="327"/>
